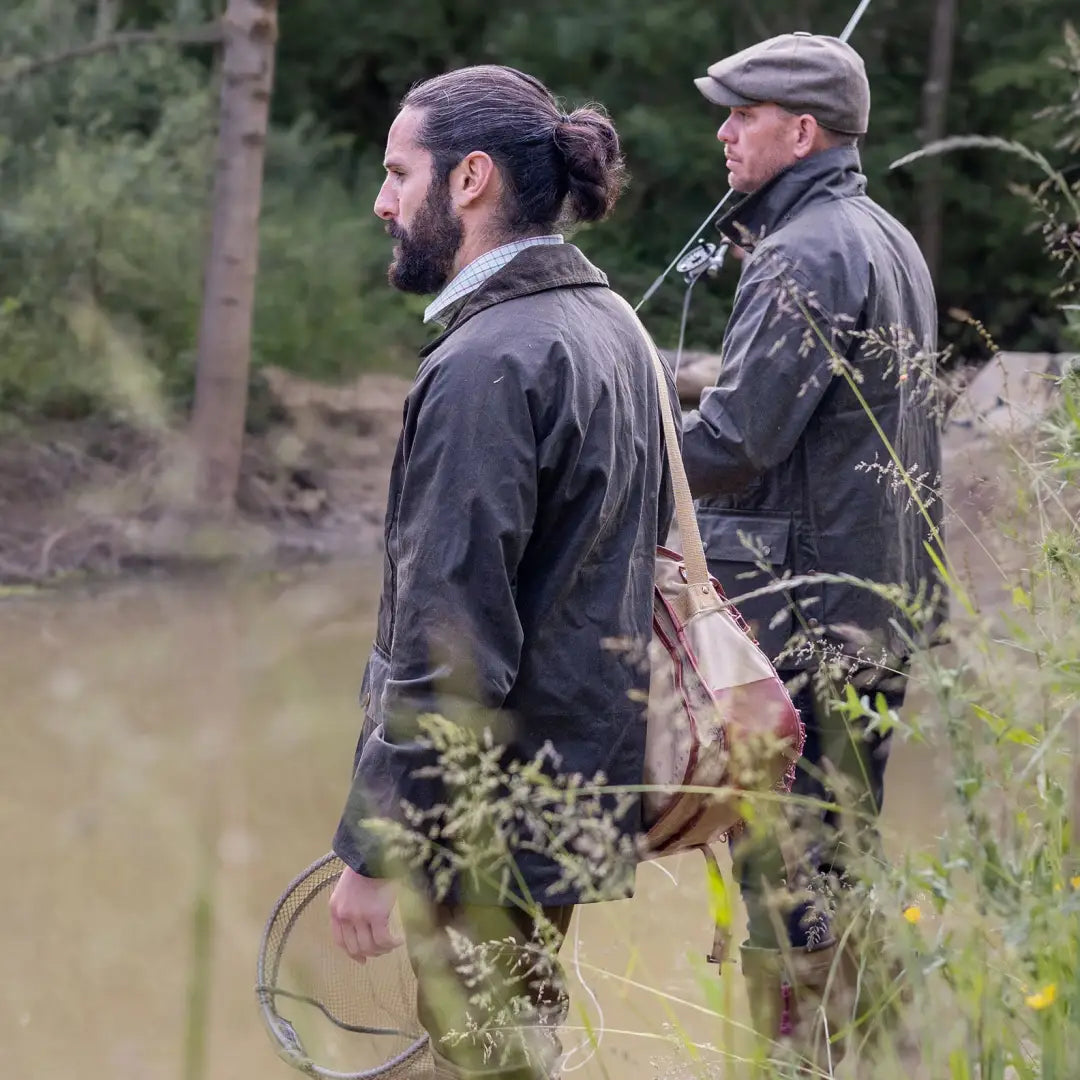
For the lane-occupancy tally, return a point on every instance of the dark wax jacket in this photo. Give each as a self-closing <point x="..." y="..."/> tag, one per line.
<point x="789" y="469"/>
<point x="524" y="508"/>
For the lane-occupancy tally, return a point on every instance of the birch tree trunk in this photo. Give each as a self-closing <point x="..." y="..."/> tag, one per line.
<point x="224" y="352"/>
<point x="935" y="99"/>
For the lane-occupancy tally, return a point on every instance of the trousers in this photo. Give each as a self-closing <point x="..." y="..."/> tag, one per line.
<point x="788" y="863"/>
<point x="491" y="992"/>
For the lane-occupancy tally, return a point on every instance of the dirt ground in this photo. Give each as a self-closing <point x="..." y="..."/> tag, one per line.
<point x="98" y="497"/>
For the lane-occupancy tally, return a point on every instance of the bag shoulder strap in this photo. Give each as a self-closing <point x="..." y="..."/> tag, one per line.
<point x="693" y="553"/>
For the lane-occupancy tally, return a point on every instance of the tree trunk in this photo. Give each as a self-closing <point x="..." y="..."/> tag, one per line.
<point x="108" y="15"/>
<point x="224" y="355"/>
<point x="935" y="99"/>
<point x="188" y="12"/>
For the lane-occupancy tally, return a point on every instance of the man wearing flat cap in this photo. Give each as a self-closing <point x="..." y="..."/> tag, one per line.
<point x="827" y="373"/>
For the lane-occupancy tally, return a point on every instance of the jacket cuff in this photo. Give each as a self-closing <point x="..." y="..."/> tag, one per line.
<point x="354" y="855"/>
<point x="358" y="847"/>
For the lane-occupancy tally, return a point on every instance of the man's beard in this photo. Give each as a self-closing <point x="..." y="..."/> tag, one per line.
<point x="425" y="255"/>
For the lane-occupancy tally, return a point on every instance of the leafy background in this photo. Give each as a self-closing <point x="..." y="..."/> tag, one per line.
<point x="105" y="168"/>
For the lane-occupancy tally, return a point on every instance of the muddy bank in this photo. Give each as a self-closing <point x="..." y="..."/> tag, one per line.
<point x="100" y="497"/>
<point x="96" y="497"/>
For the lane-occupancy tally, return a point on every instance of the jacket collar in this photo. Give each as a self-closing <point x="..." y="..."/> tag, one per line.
<point x="823" y="177"/>
<point x="534" y="270"/>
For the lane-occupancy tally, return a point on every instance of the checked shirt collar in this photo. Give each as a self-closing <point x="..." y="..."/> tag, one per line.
<point x="471" y="277"/>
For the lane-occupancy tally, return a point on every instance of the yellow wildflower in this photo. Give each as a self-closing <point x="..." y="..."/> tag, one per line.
<point x="913" y="914"/>
<point x="1075" y="881"/>
<point x="1044" y="998"/>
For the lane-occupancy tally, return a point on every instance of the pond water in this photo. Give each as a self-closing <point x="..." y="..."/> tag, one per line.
<point x="170" y="740"/>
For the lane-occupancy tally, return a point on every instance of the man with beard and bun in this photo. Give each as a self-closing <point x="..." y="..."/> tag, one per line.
<point x="523" y="515"/>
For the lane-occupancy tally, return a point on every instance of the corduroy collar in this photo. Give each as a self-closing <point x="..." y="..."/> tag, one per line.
<point x="534" y="270"/>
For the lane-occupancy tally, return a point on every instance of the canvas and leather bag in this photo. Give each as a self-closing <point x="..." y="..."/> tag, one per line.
<point x="720" y="720"/>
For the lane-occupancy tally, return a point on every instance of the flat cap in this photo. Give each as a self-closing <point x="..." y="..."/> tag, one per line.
<point x="801" y="72"/>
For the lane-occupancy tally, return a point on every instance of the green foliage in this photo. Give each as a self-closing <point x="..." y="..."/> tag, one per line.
<point x="105" y="183"/>
<point x="350" y="67"/>
<point x="323" y="306"/>
<point x="1000" y="953"/>
<point x="98" y="207"/>
<point x="105" y="167"/>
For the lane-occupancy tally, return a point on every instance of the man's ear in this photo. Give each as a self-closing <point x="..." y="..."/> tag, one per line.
<point x="471" y="178"/>
<point x="811" y="137"/>
<point x="807" y="136"/>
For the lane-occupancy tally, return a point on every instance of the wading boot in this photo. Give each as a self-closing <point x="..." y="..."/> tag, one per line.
<point x="800" y="1002"/>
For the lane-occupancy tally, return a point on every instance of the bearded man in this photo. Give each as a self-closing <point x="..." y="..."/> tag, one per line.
<point x="522" y="520"/>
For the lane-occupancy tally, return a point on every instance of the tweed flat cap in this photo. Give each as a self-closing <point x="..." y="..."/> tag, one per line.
<point x="801" y="72"/>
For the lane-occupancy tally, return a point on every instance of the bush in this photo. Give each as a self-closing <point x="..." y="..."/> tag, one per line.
<point x="108" y="206"/>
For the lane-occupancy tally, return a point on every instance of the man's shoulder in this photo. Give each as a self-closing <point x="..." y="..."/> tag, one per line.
<point x="531" y="329"/>
<point x="835" y="240"/>
<point x="504" y="329"/>
<point x="509" y="340"/>
<point x="805" y="249"/>
<point x="818" y="228"/>
<point x="852" y="224"/>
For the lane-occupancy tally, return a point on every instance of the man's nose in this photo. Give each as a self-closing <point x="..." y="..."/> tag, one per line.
<point x="385" y="204"/>
<point x="724" y="134"/>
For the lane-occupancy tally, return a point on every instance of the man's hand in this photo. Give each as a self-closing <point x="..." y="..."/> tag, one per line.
<point x="360" y="915"/>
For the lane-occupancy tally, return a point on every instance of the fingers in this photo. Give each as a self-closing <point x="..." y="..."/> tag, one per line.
<point x="363" y="938"/>
<point x="360" y="917"/>
<point x="357" y="941"/>
<point x="353" y="938"/>
<point x="383" y="939"/>
<point x="338" y="931"/>
<point x="343" y="925"/>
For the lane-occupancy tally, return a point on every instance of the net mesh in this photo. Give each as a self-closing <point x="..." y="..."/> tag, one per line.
<point x="329" y="1015"/>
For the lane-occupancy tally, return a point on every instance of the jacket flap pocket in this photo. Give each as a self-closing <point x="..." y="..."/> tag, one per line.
<point x="738" y="536"/>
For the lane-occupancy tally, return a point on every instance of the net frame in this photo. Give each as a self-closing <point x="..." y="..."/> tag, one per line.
<point x="326" y="870"/>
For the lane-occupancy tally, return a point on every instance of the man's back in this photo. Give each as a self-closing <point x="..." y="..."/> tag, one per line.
<point x="828" y="362"/>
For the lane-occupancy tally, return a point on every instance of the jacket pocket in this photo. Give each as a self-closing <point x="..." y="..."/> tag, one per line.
<point x="371" y="693"/>
<point x="747" y="550"/>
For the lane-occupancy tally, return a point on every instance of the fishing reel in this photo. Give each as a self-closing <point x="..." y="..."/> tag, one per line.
<point x="704" y="258"/>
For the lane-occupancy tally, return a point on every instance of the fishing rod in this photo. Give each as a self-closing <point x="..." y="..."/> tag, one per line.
<point x="694" y="238"/>
<point x="708" y="257"/>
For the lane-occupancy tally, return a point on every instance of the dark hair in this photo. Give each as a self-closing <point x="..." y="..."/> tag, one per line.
<point x="554" y="166"/>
